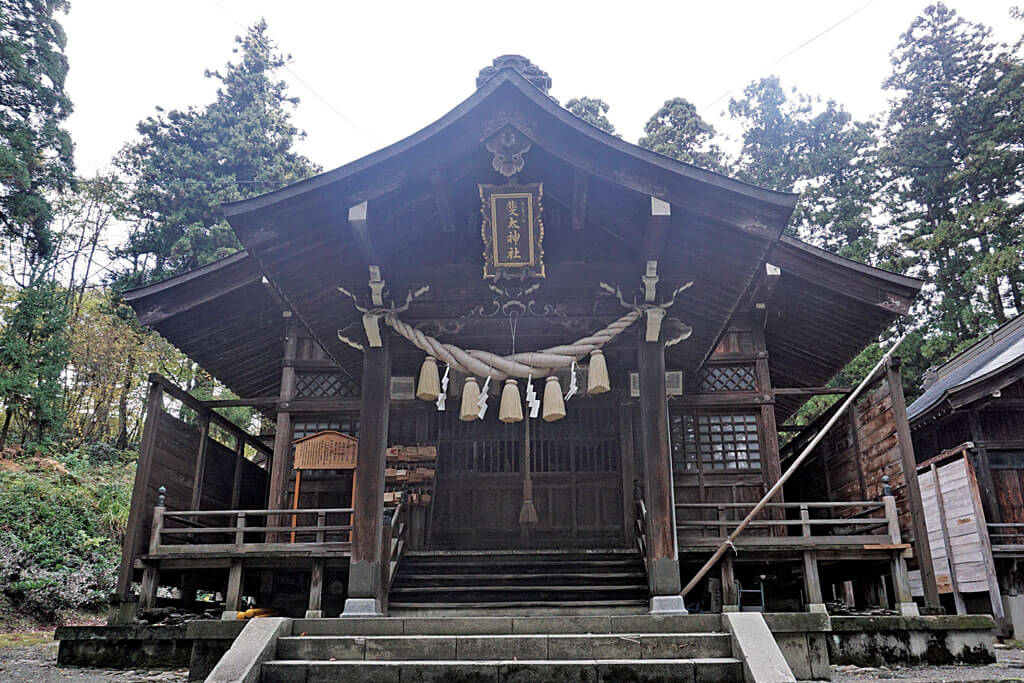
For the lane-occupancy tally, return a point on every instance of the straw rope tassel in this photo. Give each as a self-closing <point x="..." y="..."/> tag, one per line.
<point x="527" y="513"/>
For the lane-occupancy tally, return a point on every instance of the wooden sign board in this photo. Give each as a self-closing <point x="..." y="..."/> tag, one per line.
<point x="512" y="230"/>
<point x="327" y="450"/>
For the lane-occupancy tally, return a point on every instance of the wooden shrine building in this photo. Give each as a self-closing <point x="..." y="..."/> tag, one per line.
<point x="606" y="344"/>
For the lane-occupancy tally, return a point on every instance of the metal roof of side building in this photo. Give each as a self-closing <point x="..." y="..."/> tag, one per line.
<point x="982" y="363"/>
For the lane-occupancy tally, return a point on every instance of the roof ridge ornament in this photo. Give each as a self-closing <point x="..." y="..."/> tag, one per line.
<point x="530" y="71"/>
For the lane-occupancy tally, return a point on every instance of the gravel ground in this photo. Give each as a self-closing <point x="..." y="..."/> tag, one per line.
<point x="1009" y="666"/>
<point x="37" y="663"/>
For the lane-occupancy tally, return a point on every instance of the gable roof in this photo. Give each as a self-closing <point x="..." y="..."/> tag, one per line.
<point x="782" y="202"/>
<point x="980" y="364"/>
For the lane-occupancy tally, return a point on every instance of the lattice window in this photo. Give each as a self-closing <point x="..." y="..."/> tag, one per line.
<point x="726" y="378"/>
<point x="716" y="442"/>
<point x="325" y="385"/>
<point x="304" y="428"/>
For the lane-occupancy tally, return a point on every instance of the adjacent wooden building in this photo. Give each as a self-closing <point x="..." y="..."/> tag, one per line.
<point x="968" y="431"/>
<point x="506" y="228"/>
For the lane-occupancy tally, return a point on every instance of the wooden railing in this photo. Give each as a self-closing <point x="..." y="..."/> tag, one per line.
<point x="393" y="545"/>
<point x="1006" y="537"/>
<point x="801" y="525"/>
<point x="212" y="532"/>
<point x="640" y="520"/>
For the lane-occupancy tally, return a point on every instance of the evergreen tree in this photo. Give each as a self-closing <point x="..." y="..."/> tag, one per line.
<point x="189" y="162"/>
<point x="33" y="354"/>
<point x="592" y="110"/>
<point x="791" y="142"/>
<point x="678" y="131"/>
<point x="955" y="157"/>
<point x="35" y="152"/>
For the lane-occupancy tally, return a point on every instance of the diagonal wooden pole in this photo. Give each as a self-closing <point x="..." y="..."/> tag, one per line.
<point x="791" y="469"/>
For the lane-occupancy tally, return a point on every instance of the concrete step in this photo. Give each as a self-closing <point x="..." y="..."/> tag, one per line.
<point x="699" y="670"/>
<point x="506" y="647"/>
<point x="511" y="624"/>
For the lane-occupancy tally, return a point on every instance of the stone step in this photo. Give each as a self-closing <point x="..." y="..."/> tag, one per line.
<point x="700" y="670"/>
<point x="504" y="647"/>
<point x="516" y="623"/>
<point x="519" y="609"/>
<point x="429" y="578"/>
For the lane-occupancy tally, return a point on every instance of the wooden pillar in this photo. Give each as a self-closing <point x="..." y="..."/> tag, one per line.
<point x="812" y="580"/>
<point x="662" y="550"/>
<point x="364" y="584"/>
<point x="730" y="596"/>
<point x="989" y="499"/>
<point x="316" y="590"/>
<point x="280" y="465"/>
<point x="922" y="549"/>
<point x="137" y="512"/>
<point x="898" y="565"/>
<point x="770" y="436"/>
<point x="233" y="596"/>
<point x="151" y="574"/>
<point x="236" y="478"/>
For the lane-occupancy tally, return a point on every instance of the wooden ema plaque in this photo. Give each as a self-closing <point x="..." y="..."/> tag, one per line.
<point x="328" y="450"/>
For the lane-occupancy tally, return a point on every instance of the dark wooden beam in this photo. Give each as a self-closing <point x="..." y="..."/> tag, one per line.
<point x="176" y="392"/>
<point x="280" y="465"/>
<point x="359" y="222"/>
<point x="811" y="391"/>
<point x="763" y="290"/>
<point x="136" y="513"/>
<point x="922" y="546"/>
<point x="443" y="201"/>
<point x="656" y="233"/>
<point x="580" y="186"/>
<point x="365" y="592"/>
<point x="662" y="549"/>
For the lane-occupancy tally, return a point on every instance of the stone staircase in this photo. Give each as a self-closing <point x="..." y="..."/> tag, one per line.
<point x="686" y="648"/>
<point x="555" y="581"/>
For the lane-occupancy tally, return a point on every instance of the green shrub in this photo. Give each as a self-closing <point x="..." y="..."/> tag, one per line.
<point x="60" y="534"/>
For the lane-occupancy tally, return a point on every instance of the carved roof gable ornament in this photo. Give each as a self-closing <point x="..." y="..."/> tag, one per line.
<point x="508" y="146"/>
<point x="530" y="71"/>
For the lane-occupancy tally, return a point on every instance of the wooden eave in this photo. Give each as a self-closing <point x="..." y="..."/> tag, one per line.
<point x="824" y="310"/>
<point x="222" y="316"/>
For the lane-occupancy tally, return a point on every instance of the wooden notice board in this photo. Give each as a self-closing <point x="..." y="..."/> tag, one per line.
<point x="326" y="450"/>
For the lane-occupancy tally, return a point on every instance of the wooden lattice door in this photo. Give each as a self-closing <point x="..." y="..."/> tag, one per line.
<point x="577" y="482"/>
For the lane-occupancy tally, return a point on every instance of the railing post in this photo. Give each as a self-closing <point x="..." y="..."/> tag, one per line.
<point x="151" y="574"/>
<point x="240" y="529"/>
<point x="385" y="561"/>
<point x="812" y="581"/>
<point x="898" y="564"/>
<point x="321" y="521"/>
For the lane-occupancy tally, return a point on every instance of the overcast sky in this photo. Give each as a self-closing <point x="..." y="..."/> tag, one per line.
<point x="370" y="73"/>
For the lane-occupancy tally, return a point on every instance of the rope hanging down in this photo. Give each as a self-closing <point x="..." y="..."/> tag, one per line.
<point x="484" y="363"/>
